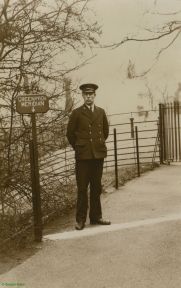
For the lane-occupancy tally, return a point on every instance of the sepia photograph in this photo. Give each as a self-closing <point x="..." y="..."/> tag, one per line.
<point x="90" y="143"/>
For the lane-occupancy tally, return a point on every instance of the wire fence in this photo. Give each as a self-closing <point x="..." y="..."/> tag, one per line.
<point x="56" y="163"/>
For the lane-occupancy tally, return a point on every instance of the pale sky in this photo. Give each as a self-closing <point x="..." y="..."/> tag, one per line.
<point x="121" y="18"/>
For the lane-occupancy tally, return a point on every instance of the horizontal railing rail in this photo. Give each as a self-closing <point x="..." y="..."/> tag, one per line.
<point x="56" y="161"/>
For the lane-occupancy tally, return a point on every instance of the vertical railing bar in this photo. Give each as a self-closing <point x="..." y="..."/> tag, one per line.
<point x="175" y="128"/>
<point x="168" y="139"/>
<point x="172" y="127"/>
<point x="178" y="113"/>
<point x="161" y="132"/>
<point x="166" y="132"/>
<point x="164" y="144"/>
<point x="156" y="144"/>
<point x="115" y="159"/>
<point x="169" y="121"/>
<point x="137" y="151"/>
<point x="132" y="127"/>
<point x="158" y="127"/>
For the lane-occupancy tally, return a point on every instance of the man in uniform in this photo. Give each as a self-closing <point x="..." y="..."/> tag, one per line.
<point x="87" y="131"/>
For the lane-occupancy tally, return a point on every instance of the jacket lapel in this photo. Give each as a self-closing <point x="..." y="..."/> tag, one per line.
<point x="95" y="113"/>
<point x="86" y="112"/>
<point x="92" y="116"/>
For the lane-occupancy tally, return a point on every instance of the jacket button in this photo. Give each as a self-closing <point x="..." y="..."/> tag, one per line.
<point x="91" y="140"/>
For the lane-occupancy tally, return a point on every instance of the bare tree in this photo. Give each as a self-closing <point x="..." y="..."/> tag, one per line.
<point x="177" y="92"/>
<point x="36" y="39"/>
<point x="165" y="34"/>
<point x="169" y="31"/>
<point x="149" y="95"/>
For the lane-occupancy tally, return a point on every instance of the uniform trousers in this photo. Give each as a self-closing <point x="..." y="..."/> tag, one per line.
<point x="89" y="172"/>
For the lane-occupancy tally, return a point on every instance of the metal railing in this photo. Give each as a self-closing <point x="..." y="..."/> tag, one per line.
<point x="132" y="142"/>
<point x="169" y="117"/>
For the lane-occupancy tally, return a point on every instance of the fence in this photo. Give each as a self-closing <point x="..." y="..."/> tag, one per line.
<point x="133" y="141"/>
<point x="122" y="145"/>
<point x="169" y="114"/>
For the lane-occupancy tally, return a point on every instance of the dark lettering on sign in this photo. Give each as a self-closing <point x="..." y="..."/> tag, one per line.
<point x="32" y="103"/>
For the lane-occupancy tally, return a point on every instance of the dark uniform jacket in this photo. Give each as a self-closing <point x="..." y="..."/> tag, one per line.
<point x="87" y="132"/>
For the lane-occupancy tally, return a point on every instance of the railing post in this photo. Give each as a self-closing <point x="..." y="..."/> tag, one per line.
<point x="132" y="127"/>
<point x="158" y="140"/>
<point x="175" y="123"/>
<point x="161" y="132"/>
<point x="115" y="159"/>
<point x="179" y="141"/>
<point x="137" y="151"/>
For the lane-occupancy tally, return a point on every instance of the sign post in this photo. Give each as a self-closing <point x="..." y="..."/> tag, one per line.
<point x="32" y="104"/>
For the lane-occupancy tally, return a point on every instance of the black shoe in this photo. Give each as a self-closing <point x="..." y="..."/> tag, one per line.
<point x="79" y="225"/>
<point x="100" y="222"/>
